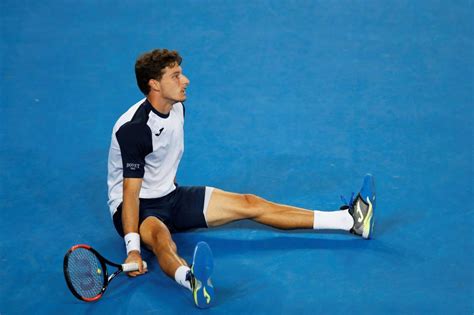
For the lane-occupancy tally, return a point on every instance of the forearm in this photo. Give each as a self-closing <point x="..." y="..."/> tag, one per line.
<point x="131" y="205"/>
<point x="130" y="214"/>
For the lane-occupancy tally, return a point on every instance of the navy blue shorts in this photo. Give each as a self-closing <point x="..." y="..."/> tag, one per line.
<point x="181" y="210"/>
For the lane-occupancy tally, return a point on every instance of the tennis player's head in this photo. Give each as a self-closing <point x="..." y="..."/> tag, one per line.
<point x="159" y="71"/>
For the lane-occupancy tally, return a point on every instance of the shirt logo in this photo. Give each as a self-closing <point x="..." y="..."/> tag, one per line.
<point x="132" y="166"/>
<point x="159" y="133"/>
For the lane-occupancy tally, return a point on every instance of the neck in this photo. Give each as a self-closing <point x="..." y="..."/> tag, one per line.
<point x="160" y="104"/>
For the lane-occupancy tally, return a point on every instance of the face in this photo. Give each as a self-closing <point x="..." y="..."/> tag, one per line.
<point x="173" y="84"/>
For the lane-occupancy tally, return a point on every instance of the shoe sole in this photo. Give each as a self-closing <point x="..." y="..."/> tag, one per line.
<point x="368" y="222"/>
<point x="203" y="265"/>
<point x="368" y="194"/>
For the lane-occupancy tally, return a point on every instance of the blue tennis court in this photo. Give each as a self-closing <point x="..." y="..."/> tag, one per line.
<point x="293" y="101"/>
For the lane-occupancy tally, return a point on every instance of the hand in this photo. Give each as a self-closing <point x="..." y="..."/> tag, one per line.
<point x="135" y="257"/>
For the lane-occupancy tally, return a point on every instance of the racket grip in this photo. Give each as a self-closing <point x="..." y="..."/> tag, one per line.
<point x="132" y="266"/>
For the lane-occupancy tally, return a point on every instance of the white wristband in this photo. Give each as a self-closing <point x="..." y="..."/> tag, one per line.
<point x="132" y="242"/>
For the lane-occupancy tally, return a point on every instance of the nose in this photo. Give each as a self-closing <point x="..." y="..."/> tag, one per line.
<point x="186" y="80"/>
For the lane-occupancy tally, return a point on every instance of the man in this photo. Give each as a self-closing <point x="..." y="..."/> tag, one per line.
<point x="147" y="205"/>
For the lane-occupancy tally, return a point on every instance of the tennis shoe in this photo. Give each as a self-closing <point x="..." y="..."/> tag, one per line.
<point x="362" y="208"/>
<point x="200" y="276"/>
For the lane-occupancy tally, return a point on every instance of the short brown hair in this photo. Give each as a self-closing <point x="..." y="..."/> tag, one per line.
<point x="151" y="64"/>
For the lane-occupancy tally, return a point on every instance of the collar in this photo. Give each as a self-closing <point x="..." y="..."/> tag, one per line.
<point x="155" y="111"/>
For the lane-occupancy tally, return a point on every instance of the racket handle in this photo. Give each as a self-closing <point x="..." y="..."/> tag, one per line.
<point x="132" y="266"/>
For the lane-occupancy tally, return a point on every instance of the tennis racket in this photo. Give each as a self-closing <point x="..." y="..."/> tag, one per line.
<point x="86" y="273"/>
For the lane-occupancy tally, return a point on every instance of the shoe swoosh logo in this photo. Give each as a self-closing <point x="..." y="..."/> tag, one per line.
<point x="359" y="212"/>
<point x="207" y="296"/>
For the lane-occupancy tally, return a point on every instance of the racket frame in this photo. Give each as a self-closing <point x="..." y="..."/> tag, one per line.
<point x="103" y="262"/>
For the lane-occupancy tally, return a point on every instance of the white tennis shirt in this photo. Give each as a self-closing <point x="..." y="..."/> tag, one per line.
<point x="145" y="144"/>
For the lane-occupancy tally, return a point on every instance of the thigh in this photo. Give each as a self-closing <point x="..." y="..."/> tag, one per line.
<point x="225" y="207"/>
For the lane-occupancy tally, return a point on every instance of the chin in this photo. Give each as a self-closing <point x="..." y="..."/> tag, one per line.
<point x="179" y="98"/>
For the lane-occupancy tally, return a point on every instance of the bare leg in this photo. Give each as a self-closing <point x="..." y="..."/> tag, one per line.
<point x="157" y="238"/>
<point x="225" y="207"/>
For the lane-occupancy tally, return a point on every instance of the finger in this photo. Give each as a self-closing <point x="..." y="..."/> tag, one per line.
<point x="143" y="270"/>
<point x="142" y="267"/>
<point x="135" y="274"/>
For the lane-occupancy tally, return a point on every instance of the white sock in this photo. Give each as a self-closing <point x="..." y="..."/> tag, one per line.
<point x="333" y="220"/>
<point x="180" y="276"/>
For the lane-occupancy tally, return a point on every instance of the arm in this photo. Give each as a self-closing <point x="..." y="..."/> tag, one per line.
<point x="130" y="210"/>
<point x="135" y="144"/>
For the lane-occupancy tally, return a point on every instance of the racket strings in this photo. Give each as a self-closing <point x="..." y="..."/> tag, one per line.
<point x="85" y="273"/>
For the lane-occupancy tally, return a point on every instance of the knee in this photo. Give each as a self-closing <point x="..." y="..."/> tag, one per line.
<point x="252" y="204"/>
<point x="251" y="200"/>
<point x="163" y="244"/>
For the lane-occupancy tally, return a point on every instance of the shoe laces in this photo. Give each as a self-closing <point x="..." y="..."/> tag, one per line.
<point x="351" y="201"/>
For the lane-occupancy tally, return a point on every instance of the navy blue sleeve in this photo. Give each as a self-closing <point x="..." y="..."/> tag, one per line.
<point x="135" y="144"/>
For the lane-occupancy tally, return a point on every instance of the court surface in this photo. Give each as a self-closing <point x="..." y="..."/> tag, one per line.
<point x="290" y="100"/>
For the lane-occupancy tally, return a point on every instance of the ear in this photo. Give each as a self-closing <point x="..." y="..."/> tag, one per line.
<point x="154" y="85"/>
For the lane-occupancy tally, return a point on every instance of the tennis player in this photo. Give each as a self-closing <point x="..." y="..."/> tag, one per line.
<point x="148" y="206"/>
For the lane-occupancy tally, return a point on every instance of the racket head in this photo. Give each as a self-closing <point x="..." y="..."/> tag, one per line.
<point x="85" y="272"/>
